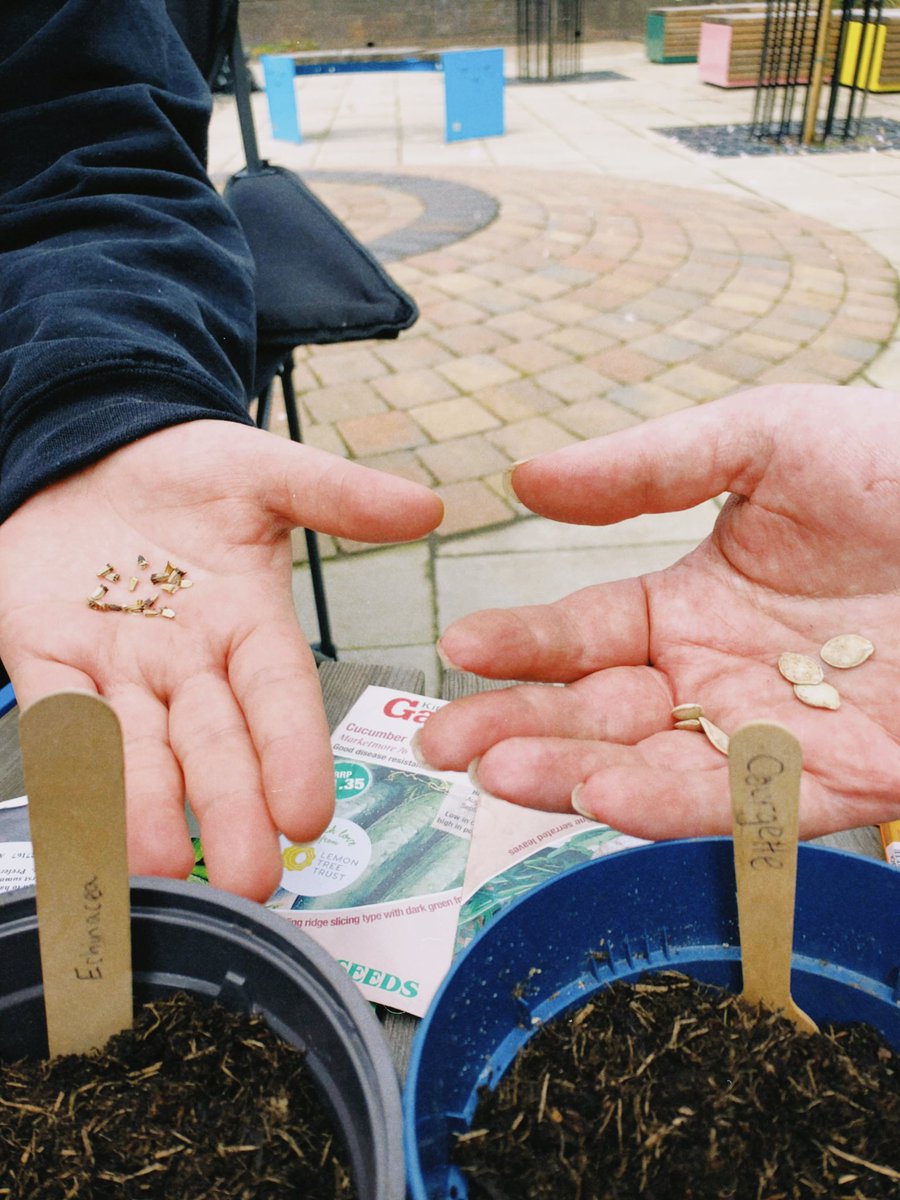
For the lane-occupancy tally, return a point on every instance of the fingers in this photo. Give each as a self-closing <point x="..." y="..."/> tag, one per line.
<point x="593" y="628"/>
<point x="222" y="778"/>
<point x="33" y="678"/>
<point x="308" y="487"/>
<point x="658" y="803"/>
<point x="274" y="677"/>
<point x="256" y="753"/>
<point x="621" y="705"/>
<point x="664" y="465"/>
<point x="158" y="838"/>
<point x="669" y="785"/>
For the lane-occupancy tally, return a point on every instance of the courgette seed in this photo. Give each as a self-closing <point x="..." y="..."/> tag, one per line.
<point x="847" y="650"/>
<point x="717" y="737"/>
<point x="798" y="668"/>
<point x="818" y="695"/>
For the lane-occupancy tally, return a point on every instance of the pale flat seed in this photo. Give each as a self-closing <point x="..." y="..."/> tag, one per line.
<point x="686" y="712"/>
<point x="798" y="668"/>
<point x="817" y="695"/>
<point x="717" y="737"/>
<point x="689" y="723"/>
<point x="847" y="650"/>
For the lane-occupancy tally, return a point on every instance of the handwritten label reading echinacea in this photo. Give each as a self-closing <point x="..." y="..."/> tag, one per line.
<point x="74" y="774"/>
<point x="90" y="965"/>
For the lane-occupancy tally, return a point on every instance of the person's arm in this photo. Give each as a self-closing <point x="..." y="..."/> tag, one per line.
<point x="126" y="299"/>
<point x="806" y="548"/>
<point x="126" y="343"/>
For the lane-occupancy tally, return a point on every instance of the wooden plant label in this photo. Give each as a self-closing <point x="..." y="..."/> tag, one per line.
<point x="74" y="775"/>
<point x="765" y="764"/>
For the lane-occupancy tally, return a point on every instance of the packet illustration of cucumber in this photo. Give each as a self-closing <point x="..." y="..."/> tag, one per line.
<point x="381" y="888"/>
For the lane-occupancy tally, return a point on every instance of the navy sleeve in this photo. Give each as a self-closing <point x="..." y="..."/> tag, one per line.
<point x="126" y="287"/>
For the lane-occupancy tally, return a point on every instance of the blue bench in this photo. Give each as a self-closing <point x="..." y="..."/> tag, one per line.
<point x="7" y="698"/>
<point x="473" y="85"/>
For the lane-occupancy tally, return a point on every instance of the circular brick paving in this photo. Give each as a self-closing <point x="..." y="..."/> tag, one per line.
<point x="587" y="304"/>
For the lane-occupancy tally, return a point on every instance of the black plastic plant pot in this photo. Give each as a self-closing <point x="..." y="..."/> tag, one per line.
<point x="186" y="937"/>
<point x="668" y="906"/>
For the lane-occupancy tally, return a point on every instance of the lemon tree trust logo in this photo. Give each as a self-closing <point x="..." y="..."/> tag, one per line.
<point x="298" y="858"/>
<point x="328" y="865"/>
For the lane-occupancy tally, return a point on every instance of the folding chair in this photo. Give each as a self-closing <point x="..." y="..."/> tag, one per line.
<point x="315" y="285"/>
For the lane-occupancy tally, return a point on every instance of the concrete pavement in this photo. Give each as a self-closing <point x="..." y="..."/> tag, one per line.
<point x="579" y="275"/>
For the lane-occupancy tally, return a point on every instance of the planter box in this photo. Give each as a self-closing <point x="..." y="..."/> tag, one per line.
<point x="731" y="50"/>
<point x="672" y="35"/>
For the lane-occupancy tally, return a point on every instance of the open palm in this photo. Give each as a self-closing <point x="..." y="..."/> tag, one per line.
<point x="806" y="547"/>
<point x="221" y="703"/>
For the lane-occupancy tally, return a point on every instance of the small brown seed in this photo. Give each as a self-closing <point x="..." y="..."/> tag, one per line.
<point x="798" y="668"/>
<point x="818" y="695"/>
<point x="167" y="612"/>
<point x="687" y="712"/>
<point x="689" y="723"/>
<point x="99" y="593"/>
<point x="847" y="650"/>
<point x="717" y="737"/>
<point x="142" y="562"/>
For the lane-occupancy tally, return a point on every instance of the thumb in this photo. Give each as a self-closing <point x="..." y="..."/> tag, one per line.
<point x="664" y="465"/>
<point x="310" y="487"/>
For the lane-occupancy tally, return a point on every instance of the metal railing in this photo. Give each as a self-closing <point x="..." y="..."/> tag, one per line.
<point x="801" y="49"/>
<point x="549" y="39"/>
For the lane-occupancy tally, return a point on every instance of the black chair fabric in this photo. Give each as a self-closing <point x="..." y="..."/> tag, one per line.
<point x="315" y="283"/>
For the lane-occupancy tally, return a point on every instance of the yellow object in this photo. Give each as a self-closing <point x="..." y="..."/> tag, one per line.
<point x="890" y="839"/>
<point x="298" y="858"/>
<point x="865" y="70"/>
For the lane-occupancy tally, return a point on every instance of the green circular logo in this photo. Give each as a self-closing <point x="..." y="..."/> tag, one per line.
<point x="351" y="779"/>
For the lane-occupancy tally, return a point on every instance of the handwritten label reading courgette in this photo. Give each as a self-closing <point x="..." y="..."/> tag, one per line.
<point x="762" y="814"/>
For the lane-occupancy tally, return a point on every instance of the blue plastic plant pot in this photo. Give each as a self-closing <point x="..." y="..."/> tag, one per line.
<point x="215" y="945"/>
<point x="668" y="906"/>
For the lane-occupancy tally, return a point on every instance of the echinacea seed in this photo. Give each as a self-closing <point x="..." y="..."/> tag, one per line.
<point x="847" y="650"/>
<point x="687" y="712"/>
<point x="170" y="581"/>
<point x="689" y="723"/>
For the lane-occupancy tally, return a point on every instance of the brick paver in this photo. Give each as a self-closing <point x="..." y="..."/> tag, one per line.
<point x="587" y="304"/>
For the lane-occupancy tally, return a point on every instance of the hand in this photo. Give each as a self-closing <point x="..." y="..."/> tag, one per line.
<point x="806" y="547"/>
<point x="223" y="702"/>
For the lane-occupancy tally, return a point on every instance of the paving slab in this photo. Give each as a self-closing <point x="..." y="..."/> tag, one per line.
<point x="583" y="272"/>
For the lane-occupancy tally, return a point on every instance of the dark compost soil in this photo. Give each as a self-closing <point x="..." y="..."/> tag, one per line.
<point x="192" y="1101"/>
<point x="666" y="1088"/>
